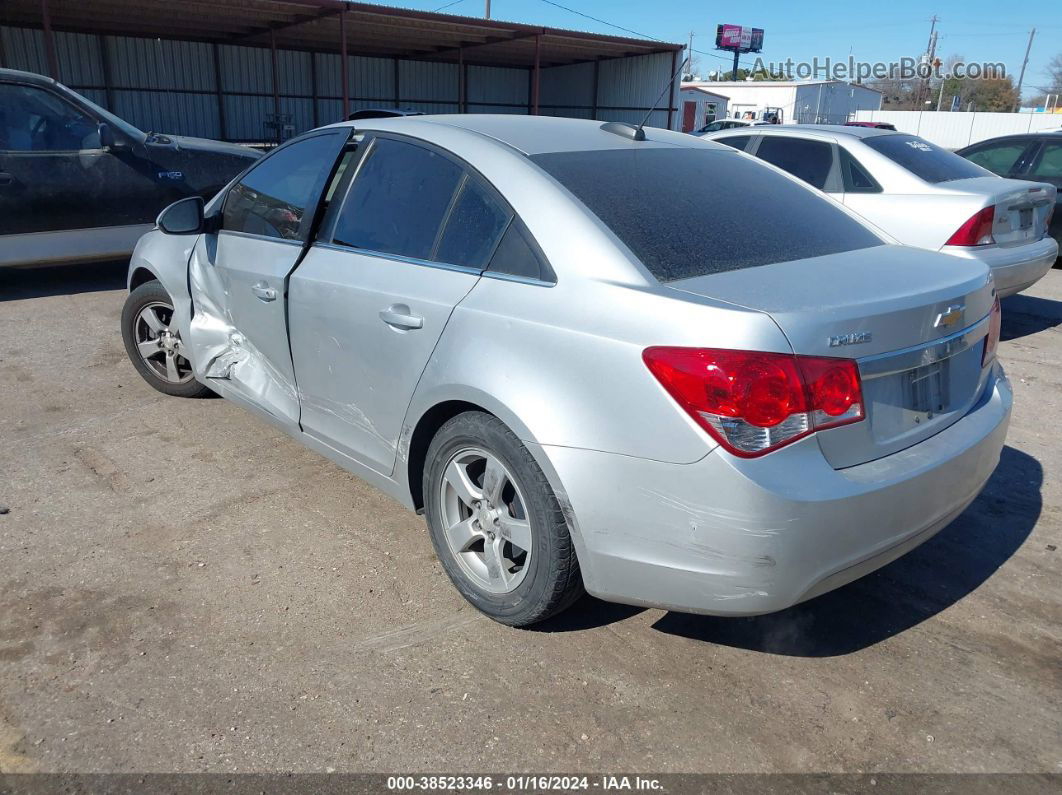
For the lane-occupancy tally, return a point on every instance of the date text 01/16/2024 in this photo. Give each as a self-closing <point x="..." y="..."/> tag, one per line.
<point x="522" y="783"/>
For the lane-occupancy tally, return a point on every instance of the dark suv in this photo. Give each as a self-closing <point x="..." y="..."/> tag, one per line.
<point x="77" y="183"/>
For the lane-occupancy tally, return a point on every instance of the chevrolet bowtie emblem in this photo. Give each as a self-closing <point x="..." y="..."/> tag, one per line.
<point x="952" y="316"/>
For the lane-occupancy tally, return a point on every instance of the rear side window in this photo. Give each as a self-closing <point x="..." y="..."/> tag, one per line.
<point x="736" y="141"/>
<point x="1048" y="165"/>
<point x="925" y="160"/>
<point x="856" y="178"/>
<point x="274" y="196"/>
<point x="475" y="225"/>
<point x="998" y="159"/>
<point x="811" y="161"/>
<point x="517" y="255"/>
<point x="688" y="212"/>
<point x="399" y="200"/>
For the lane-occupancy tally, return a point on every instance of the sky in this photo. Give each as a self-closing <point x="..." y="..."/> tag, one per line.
<point x="979" y="30"/>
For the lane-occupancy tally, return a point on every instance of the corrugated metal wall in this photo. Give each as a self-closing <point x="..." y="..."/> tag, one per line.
<point x="173" y="86"/>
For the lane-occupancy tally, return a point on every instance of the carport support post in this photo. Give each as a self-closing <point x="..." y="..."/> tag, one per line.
<point x="49" y="41"/>
<point x="671" y="91"/>
<point x="276" y="84"/>
<point x="344" y="78"/>
<point x="222" y="126"/>
<point x="535" y="74"/>
<point x="462" y="76"/>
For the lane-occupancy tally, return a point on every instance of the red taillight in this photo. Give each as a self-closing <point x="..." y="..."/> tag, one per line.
<point x="995" y="322"/>
<point x="977" y="231"/>
<point x="753" y="403"/>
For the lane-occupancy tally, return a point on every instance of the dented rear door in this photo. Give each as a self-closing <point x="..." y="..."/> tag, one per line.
<point x="238" y="276"/>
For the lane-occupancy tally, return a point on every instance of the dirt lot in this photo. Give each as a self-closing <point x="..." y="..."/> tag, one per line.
<point x="183" y="588"/>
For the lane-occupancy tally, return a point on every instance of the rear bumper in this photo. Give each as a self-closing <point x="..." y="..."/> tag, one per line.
<point x="1013" y="268"/>
<point x="731" y="536"/>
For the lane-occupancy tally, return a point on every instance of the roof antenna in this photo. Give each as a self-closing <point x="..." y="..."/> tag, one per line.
<point x="639" y="134"/>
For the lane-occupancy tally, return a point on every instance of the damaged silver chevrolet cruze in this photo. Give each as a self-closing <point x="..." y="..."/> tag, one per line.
<point x="656" y="368"/>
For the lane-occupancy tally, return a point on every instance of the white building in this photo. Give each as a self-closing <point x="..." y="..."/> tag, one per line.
<point x="699" y="106"/>
<point x="803" y="101"/>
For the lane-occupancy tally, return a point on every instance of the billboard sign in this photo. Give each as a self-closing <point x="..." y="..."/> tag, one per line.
<point x="738" y="38"/>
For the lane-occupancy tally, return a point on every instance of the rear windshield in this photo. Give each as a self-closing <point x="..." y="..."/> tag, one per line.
<point x="923" y="159"/>
<point x="688" y="212"/>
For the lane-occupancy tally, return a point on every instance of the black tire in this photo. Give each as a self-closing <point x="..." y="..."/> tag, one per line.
<point x="552" y="581"/>
<point x="153" y="293"/>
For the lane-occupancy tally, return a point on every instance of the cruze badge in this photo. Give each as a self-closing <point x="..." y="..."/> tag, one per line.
<point x="855" y="338"/>
<point x="950" y="317"/>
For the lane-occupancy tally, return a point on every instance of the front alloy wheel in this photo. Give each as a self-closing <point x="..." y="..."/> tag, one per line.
<point x="154" y="342"/>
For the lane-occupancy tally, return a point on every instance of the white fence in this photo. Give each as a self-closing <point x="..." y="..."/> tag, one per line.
<point x="955" y="130"/>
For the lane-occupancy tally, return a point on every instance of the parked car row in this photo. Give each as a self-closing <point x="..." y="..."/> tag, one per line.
<point x="602" y="357"/>
<point x="923" y="195"/>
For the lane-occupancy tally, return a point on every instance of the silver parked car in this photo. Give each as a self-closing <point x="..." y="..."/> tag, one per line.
<point x="920" y="194"/>
<point x="497" y="321"/>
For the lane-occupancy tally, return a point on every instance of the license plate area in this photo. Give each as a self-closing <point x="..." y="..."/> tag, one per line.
<point x="926" y="388"/>
<point x="1025" y="218"/>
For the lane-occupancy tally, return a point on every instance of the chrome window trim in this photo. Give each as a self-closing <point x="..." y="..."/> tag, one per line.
<point x="509" y="277"/>
<point x="269" y="238"/>
<point x="921" y="355"/>
<point x="397" y="258"/>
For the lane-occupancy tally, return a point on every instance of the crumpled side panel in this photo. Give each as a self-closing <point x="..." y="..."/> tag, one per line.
<point x="220" y="352"/>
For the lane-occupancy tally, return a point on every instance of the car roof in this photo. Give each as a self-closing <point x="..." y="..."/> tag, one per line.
<point x="533" y="135"/>
<point x="1041" y="135"/>
<point x="14" y="75"/>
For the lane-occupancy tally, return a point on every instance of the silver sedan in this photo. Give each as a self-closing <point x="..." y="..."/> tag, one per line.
<point x="595" y="357"/>
<point x="920" y="194"/>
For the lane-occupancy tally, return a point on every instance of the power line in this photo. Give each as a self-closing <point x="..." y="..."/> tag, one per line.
<point x="448" y="5"/>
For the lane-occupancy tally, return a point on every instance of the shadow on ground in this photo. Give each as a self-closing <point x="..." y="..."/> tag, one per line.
<point x="20" y="283"/>
<point x="1025" y="314"/>
<point x="903" y="594"/>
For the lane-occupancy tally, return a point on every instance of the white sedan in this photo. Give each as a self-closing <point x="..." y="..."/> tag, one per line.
<point x="920" y="194"/>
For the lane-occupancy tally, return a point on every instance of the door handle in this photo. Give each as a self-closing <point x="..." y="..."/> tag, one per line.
<point x="264" y="292"/>
<point x="398" y="316"/>
<point x="6" y="179"/>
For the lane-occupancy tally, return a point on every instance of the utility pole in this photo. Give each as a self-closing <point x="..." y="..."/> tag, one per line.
<point x="940" y="97"/>
<point x="1021" y="75"/>
<point x="689" y="55"/>
<point x="930" y="48"/>
<point x="486" y="11"/>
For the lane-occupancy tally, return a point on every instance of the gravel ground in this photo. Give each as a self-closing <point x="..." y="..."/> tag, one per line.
<point x="184" y="588"/>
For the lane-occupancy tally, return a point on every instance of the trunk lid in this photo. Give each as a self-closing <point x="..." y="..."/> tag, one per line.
<point x="915" y="322"/>
<point x="1021" y="207"/>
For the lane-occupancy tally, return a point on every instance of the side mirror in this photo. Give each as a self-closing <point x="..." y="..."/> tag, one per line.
<point x="183" y="217"/>
<point x="109" y="139"/>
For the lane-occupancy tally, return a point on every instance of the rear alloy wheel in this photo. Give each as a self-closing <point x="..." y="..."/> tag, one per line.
<point x="154" y="343"/>
<point x="496" y="524"/>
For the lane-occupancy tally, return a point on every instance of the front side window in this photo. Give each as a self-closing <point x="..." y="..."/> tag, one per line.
<point x="35" y="120"/>
<point x="398" y="200"/>
<point x="926" y="161"/>
<point x="811" y="161"/>
<point x="273" y="199"/>
<point x="999" y="159"/>
<point x="721" y="212"/>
